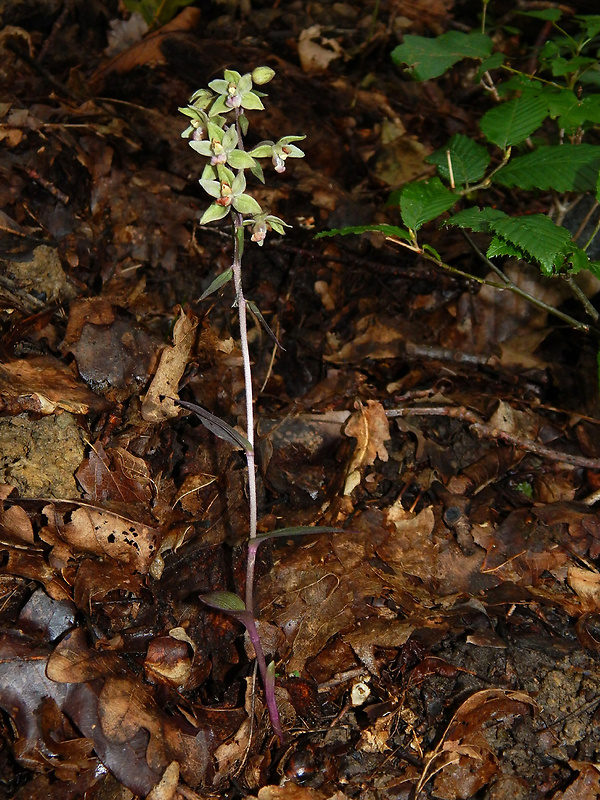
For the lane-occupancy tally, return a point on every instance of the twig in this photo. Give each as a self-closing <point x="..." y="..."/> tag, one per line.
<point x="489" y="432"/>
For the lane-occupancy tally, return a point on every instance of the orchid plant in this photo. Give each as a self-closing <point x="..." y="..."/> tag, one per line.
<point x="216" y="130"/>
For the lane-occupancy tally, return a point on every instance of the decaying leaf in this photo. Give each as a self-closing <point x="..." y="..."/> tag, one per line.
<point x="370" y="426"/>
<point x="104" y="533"/>
<point x="158" y="404"/>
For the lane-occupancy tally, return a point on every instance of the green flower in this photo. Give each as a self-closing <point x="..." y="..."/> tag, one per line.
<point x="229" y="192"/>
<point x="235" y="91"/>
<point x="260" y="224"/>
<point x="279" y="151"/>
<point x="198" y="127"/>
<point x="221" y="147"/>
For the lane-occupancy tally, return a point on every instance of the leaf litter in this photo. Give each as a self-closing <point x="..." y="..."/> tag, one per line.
<point x="445" y="644"/>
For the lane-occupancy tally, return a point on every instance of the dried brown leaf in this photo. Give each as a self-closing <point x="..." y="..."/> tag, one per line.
<point x="173" y="361"/>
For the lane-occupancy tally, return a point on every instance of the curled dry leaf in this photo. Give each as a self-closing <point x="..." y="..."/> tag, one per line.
<point x="370" y="426"/>
<point x="173" y="361"/>
<point x="44" y="385"/>
<point x="167" y="786"/>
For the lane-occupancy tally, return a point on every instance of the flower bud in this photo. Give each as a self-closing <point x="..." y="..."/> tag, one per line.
<point x="262" y="75"/>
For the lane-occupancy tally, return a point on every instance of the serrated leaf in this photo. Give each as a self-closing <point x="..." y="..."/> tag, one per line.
<point x="579" y="260"/>
<point x="564" y="168"/>
<point x="469" y="160"/>
<point x="423" y="201"/>
<point x="223" y="601"/>
<point x="594" y="268"/>
<point x="216" y="425"/>
<point x="389" y="230"/>
<point x="512" y="122"/>
<point x="430" y="58"/>
<point x="536" y="235"/>
<point x="219" y="281"/>
<point x="500" y="247"/>
<point x="477" y="219"/>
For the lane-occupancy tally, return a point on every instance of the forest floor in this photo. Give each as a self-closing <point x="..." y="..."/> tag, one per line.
<point x="446" y="644"/>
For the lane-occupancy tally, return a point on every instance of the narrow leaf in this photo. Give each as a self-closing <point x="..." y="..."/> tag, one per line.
<point x="219" y="281"/>
<point x="216" y="425"/>
<point x="224" y="601"/>
<point x="389" y="230"/>
<point x="299" y="530"/>
<point x="256" y="311"/>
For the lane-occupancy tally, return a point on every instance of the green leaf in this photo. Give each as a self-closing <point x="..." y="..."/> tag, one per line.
<point x="262" y="150"/>
<point x="216" y="425"/>
<point x="591" y="23"/>
<point x="512" y="122"/>
<point x="257" y="312"/>
<point x="500" y="247"/>
<point x="252" y="102"/>
<point x="239" y="159"/>
<point x="389" y="230"/>
<point x="579" y="260"/>
<point x="423" y="201"/>
<point x="478" y="220"/>
<point x="536" y="235"/>
<point x="219" y="281"/>
<point x="224" y="601"/>
<point x="157" y="13"/>
<point x="299" y="530"/>
<point x="246" y="204"/>
<point x="213" y="213"/>
<point x="232" y="76"/>
<point x="493" y="62"/>
<point x="469" y="160"/>
<point x="548" y="14"/>
<point x="564" y="168"/>
<point x="430" y="58"/>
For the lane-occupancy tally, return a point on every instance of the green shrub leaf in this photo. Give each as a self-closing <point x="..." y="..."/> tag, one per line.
<point x="423" y="201"/>
<point x="430" y="58"/>
<point x="500" y="247"/>
<point x="564" y="168"/>
<point x="477" y="219"/>
<point x="536" y="235"/>
<point x="515" y="120"/>
<point x="469" y="160"/>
